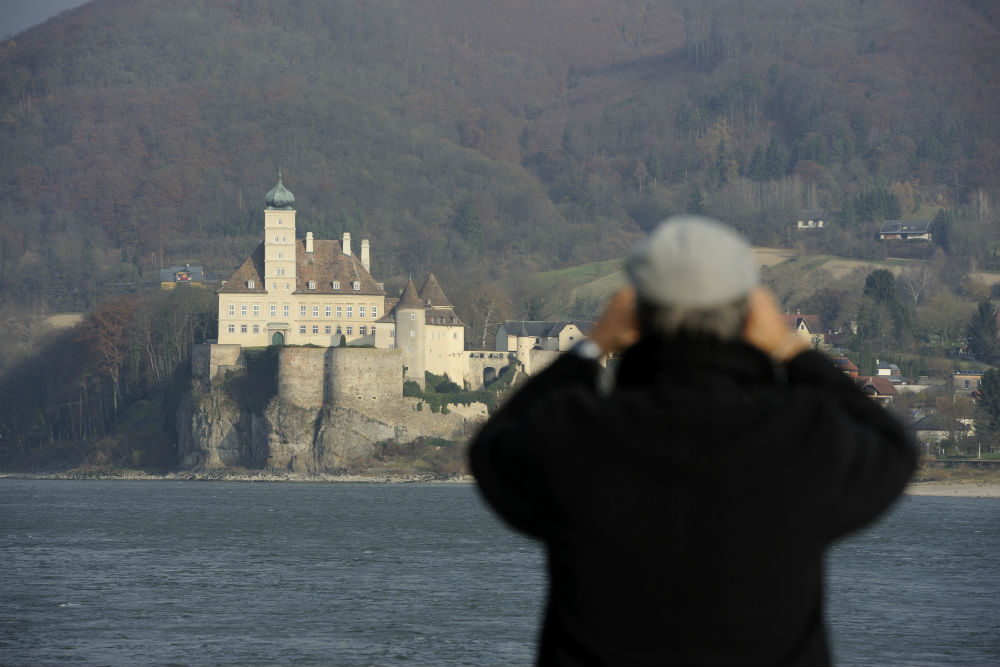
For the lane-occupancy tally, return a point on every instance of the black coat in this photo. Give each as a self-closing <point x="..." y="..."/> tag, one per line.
<point x="686" y="513"/>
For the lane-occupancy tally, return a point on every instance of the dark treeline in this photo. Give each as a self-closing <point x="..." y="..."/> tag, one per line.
<point x="478" y="140"/>
<point x="129" y="354"/>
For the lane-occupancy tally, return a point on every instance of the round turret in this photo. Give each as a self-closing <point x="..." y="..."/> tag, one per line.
<point x="279" y="196"/>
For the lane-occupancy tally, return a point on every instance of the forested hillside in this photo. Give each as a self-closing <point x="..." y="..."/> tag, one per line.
<point x="478" y="139"/>
<point x="516" y="148"/>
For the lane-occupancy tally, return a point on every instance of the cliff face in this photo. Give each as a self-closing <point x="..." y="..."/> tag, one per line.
<point x="216" y="432"/>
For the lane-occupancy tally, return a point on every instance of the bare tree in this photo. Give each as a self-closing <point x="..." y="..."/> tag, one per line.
<point x="489" y="305"/>
<point x="915" y="280"/>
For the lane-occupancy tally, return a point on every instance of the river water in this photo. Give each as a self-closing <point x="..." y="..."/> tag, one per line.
<point x="226" y="573"/>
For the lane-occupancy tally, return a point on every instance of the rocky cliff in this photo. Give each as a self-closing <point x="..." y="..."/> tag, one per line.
<point x="216" y="429"/>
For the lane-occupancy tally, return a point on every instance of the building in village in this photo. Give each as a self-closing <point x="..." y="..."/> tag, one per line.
<point x="182" y="275"/>
<point x="905" y="230"/>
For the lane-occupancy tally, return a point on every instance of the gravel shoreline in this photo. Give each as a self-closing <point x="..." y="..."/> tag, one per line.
<point x="244" y="476"/>
<point x="956" y="489"/>
<point x="969" y="489"/>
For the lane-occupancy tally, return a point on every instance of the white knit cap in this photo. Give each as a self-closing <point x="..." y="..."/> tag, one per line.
<point x="692" y="261"/>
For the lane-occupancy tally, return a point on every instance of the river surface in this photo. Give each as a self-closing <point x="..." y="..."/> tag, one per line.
<point x="228" y="573"/>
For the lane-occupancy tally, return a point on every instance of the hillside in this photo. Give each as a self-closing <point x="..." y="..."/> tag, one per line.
<point x="478" y="140"/>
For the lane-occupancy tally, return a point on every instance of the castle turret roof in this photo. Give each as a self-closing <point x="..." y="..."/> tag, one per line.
<point x="279" y="196"/>
<point x="409" y="297"/>
<point x="432" y="295"/>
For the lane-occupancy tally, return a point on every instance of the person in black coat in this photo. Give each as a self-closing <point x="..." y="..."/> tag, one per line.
<point x="687" y="510"/>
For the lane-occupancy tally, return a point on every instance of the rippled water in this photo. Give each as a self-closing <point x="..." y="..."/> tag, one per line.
<point x="213" y="573"/>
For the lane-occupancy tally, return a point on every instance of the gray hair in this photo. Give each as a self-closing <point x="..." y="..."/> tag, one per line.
<point x="722" y="323"/>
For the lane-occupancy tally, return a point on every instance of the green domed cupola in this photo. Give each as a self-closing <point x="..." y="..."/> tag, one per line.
<point x="279" y="196"/>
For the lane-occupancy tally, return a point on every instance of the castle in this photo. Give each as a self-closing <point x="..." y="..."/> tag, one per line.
<point x="317" y="292"/>
<point x="313" y="292"/>
<point x="342" y="351"/>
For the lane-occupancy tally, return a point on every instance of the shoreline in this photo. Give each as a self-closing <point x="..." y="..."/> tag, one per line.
<point x="970" y="489"/>
<point x="956" y="489"/>
<point x="244" y="476"/>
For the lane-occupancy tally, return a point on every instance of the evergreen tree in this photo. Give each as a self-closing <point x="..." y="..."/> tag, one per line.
<point x="881" y="286"/>
<point x="989" y="404"/>
<point x="981" y="332"/>
<point x="758" y="165"/>
<point x="653" y="169"/>
<point x="941" y="228"/>
<point x="775" y="161"/>
<point x="696" y="202"/>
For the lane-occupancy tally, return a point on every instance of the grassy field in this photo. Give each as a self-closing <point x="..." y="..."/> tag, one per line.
<point x="597" y="281"/>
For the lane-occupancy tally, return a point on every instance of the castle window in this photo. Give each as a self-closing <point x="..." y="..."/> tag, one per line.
<point x="256" y="328"/>
<point x="282" y="239"/>
<point x="284" y="311"/>
<point x="312" y="284"/>
<point x="374" y="312"/>
<point x="361" y="311"/>
<point x="302" y="329"/>
<point x="454" y="334"/>
<point x="274" y="310"/>
<point x="357" y="285"/>
<point x="243" y="309"/>
<point x="243" y="328"/>
<point x="412" y="316"/>
<point x="326" y="329"/>
<point x="363" y="331"/>
<point x="336" y="284"/>
<point x="274" y="285"/>
<point x="286" y="285"/>
<point x="279" y="221"/>
<point x="281" y="255"/>
<point x="256" y="310"/>
<point x="349" y="330"/>
<point x="373" y="329"/>
<point x="350" y="311"/>
<point x="340" y="311"/>
<point x="412" y="333"/>
<point x="392" y="332"/>
<point x="250" y="284"/>
<point x="232" y="328"/>
<point x="339" y="331"/>
<point x="281" y="271"/>
<point x="232" y="309"/>
<point x="409" y="348"/>
<point x="315" y="328"/>
<point x="302" y="311"/>
<point x="275" y="238"/>
<point x="315" y="311"/>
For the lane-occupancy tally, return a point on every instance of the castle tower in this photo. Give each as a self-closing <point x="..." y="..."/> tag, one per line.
<point x="279" y="240"/>
<point x="411" y="333"/>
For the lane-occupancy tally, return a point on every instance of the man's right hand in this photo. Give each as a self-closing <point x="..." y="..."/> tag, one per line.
<point x="618" y="327"/>
<point x="766" y="328"/>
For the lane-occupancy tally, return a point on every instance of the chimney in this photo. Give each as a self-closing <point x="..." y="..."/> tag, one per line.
<point x="347" y="243"/>
<point x="309" y="241"/>
<point x="366" y="258"/>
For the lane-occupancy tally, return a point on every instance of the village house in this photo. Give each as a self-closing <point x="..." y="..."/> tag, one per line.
<point x="808" y="328"/>
<point x="905" y="230"/>
<point x="845" y="365"/>
<point x="966" y="382"/>
<point x="936" y="428"/>
<point x="812" y="219"/>
<point x="889" y="370"/>
<point x="879" y="388"/>
<point x="182" y="275"/>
